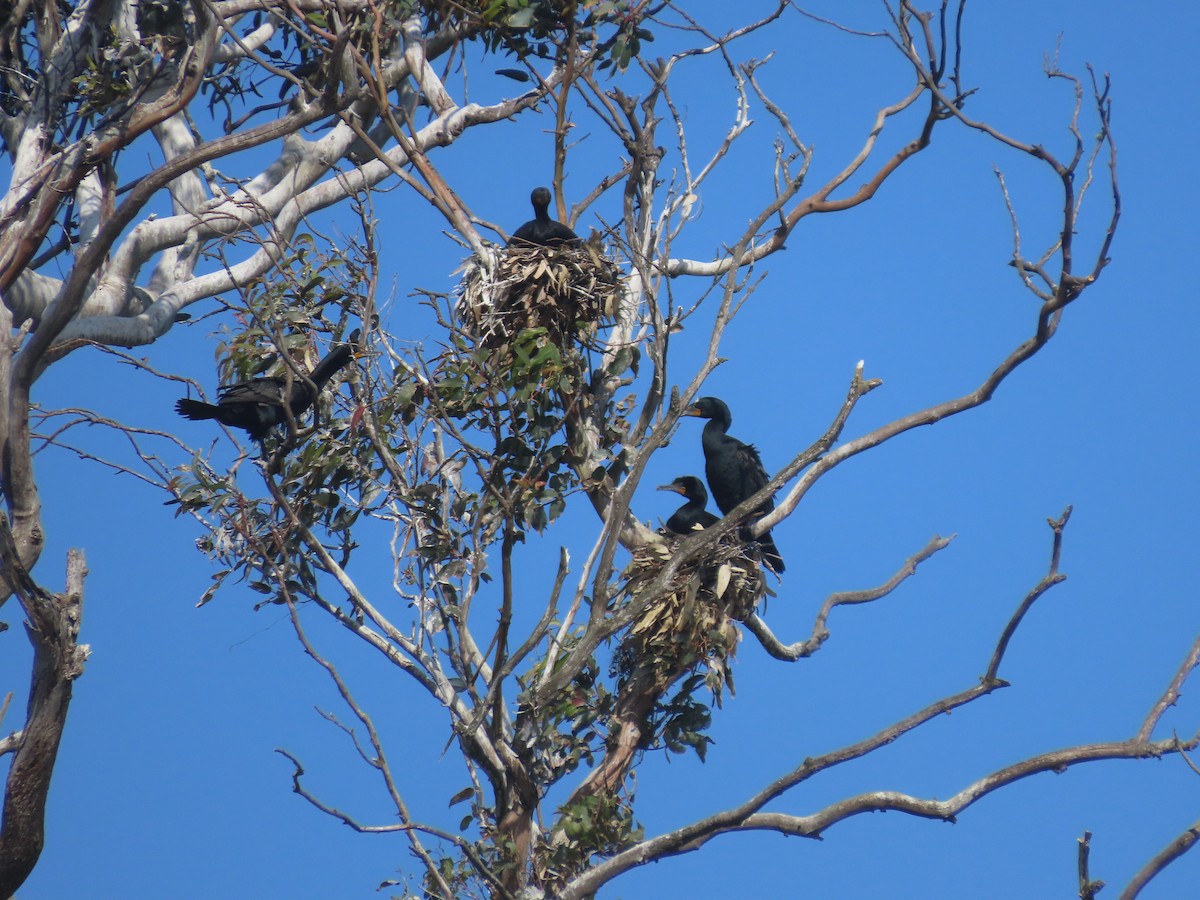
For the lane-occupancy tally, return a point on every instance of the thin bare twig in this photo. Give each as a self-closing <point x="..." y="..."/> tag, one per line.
<point x="1053" y="577"/>
<point x="460" y="842"/>
<point x="1171" y="694"/>
<point x="820" y="633"/>
<point x="1087" y="888"/>
<point x="379" y="762"/>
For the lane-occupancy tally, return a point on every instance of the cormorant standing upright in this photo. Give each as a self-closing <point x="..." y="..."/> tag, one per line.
<point x="542" y="229"/>
<point x="692" y="514"/>
<point x="257" y="405"/>
<point x="734" y="469"/>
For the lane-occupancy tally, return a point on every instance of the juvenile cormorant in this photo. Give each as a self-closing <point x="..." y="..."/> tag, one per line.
<point x="542" y="229"/>
<point x="734" y="469"/>
<point x="692" y="514"/>
<point x="257" y="405"/>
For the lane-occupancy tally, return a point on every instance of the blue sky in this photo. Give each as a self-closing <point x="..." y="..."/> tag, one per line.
<point x="167" y="784"/>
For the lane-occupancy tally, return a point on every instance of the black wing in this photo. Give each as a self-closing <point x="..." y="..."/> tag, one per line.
<point x="685" y="520"/>
<point x="735" y="472"/>
<point x="754" y="476"/>
<point x="256" y="390"/>
<point x="547" y="233"/>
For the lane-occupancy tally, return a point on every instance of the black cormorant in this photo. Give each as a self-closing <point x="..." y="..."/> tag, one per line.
<point x="542" y="229"/>
<point x="692" y="514"/>
<point x="257" y="405"/>
<point x="734" y="469"/>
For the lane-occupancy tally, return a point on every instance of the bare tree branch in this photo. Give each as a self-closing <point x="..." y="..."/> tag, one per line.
<point x="747" y="816"/>
<point x="1053" y="577"/>
<point x="820" y="633"/>
<point x="1179" y="846"/>
<point x="379" y="761"/>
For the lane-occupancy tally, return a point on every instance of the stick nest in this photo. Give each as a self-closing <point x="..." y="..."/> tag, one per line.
<point x="568" y="290"/>
<point x="693" y="620"/>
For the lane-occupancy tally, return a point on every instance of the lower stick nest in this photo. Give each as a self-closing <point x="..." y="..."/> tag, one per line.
<point x="568" y="290"/>
<point x="693" y="619"/>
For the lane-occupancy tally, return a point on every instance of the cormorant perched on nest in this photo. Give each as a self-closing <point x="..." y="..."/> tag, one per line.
<point x="257" y="405"/>
<point x="542" y="229"/>
<point x="689" y="620"/>
<point x="691" y="515"/>
<point x="546" y="278"/>
<point x="734" y="469"/>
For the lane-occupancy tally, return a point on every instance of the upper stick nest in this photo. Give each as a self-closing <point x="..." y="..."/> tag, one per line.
<point x="568" y="290"/>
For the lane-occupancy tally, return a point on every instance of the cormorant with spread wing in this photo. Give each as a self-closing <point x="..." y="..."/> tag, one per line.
<point x="734" y="469"/>
<point x="542" y="229"/>
<point x="257" y="405"/>
<point x="691" y="515"/>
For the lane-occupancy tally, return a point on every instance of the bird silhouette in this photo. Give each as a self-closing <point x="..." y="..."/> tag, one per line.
<point x="734" y="469"/>
<point x="542" y="229"/>
<point x="258" y="405"/>
<point x="691" y="515"/>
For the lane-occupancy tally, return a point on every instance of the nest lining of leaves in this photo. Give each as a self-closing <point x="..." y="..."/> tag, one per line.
<point x="569" y="291"/>
<point x="693" y="621"/>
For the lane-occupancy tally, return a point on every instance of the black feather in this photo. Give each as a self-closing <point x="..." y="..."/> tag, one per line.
<point x="542" y="229"/>
<point x="691" y="515"/>
<point x="734" y="469"/>
<point x="256" y="406"/>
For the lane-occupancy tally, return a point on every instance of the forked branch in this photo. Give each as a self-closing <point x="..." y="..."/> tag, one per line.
<point x="379" y="760"/>
<point x="1087" y="887"/>
<point x="820" y="632"/>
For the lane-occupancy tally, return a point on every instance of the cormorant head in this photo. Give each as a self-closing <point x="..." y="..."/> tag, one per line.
<point x="352" y="341"/>
<point x="540" y="198"/>
<point x="691" y="487"/>
<point x="710" y="408"/>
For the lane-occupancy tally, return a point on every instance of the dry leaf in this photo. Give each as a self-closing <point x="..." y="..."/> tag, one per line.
<point x="723" y="575"/>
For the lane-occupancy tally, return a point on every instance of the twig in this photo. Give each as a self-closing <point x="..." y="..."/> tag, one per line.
<point x="1087" y="888"/>
<point x="820" y="633"/>
<point x="379" y="762"/>
<point x="1053" y="577"/>
<point x="1171" y="694"/>
<point x="458" y="841"/>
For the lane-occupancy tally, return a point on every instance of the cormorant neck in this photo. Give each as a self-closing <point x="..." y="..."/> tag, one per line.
<point x="327" y="367"/>
<point x="714" y="430"/>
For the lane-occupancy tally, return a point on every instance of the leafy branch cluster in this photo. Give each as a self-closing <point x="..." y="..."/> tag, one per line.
<point x="324" y="469"/>
<point x="553" y="29"/>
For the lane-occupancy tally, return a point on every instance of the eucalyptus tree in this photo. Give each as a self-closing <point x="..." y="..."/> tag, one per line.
<point x="548" y="387"/>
